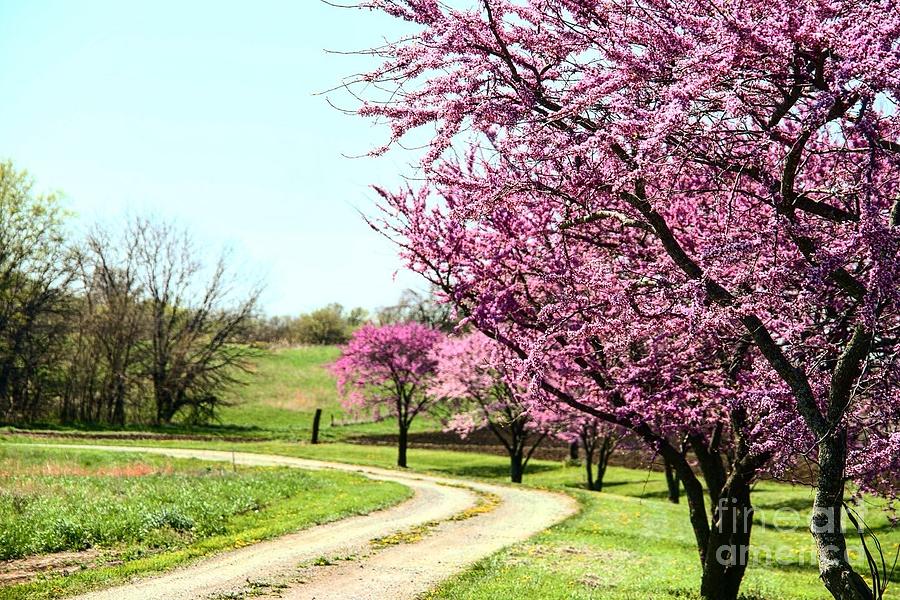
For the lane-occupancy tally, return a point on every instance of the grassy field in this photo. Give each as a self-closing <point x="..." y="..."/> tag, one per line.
<point x="628" y="542"/>
<point x="278" y="400"/>
<point x="626" y="546"/>
<point x="118" y="515"/>
<point x="285" y="389"/>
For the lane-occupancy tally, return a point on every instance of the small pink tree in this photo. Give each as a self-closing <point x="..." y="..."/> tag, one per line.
<point x="481" y="382"/>
<point x="389" y="368"/>
<point x="597" y="438"/>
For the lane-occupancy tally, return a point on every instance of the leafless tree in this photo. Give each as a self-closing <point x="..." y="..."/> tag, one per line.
<point x="421" y="308"/>
<point x="196" y="319"/>
<point x="104" y="369"/>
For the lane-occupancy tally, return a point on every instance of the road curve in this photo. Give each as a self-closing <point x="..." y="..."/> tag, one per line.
<point x="398" y="572"/>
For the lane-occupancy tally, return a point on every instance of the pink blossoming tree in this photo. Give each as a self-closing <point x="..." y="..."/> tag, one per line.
<point x="389" y="369"/>
<point x="604" y="174"/>
<point x="481" y="382"/>
<point x="650" y="373"/>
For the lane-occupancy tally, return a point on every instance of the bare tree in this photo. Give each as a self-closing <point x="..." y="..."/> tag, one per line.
<point x="419" y="308"/>
<point x="104" y="368"/>
<point x="196" y="320"/>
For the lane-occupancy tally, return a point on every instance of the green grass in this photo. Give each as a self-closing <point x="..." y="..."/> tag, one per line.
<point x="150" y="513"/>
<point x="277" y="400"/>
<point x="624" y="547"/>
<point x="628" y="542"/>
<point x="283" y="392"/>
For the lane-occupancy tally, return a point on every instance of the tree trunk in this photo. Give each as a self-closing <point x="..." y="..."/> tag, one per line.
<point x="162" y="401"/>
<point x="516" y="467"/>
<point x="728" y="550"/>
<point x="606" y="450"/>
<point x="573" y="451"/>
<point x="834" y="567"/>
<point x="712" y="466"/>
<point x="118" y="416"/>
<point x="589" y="466"/>
<point x="597" y="485"/>
<point x="693" y="491"/>
<point x="673" y="482"/>
<point x="401" y="446"/>
<point x="166" y="410"/>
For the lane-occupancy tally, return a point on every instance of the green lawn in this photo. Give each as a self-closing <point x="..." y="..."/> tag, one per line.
<point x="628" y="542"/>
<point x="131" y="514"/>
<point x="624" y="547"/>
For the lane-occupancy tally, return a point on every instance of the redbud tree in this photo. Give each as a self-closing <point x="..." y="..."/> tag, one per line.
<point x="662" y="385"/>
<point x="731" y="168"/>
<point x="482" y="384"/>
<point x="388" y="370"/>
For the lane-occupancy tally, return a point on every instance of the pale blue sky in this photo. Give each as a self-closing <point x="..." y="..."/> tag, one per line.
<point x="203" y="111"/>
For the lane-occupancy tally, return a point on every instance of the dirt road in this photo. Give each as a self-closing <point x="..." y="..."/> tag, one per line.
<point x="349" y="566"/>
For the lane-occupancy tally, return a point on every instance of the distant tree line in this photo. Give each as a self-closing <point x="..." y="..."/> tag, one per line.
<point x="126" y="325"/>
<point x="333" y="324"/>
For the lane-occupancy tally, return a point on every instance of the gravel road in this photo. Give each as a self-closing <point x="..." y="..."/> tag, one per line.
<point x="281" y="568"/>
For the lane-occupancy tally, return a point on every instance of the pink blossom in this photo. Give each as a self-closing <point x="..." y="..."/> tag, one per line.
<point x="388" y="370"/>
<point x="682" y="218"/>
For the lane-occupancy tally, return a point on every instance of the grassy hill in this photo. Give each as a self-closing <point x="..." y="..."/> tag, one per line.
<point x="283" y="392"/>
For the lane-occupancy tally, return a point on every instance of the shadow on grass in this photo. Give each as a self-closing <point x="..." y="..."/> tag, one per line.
<point x="798" y="504"/>
<point x="493" y="471"/>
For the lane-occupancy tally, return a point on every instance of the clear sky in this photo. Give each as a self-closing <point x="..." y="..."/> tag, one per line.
<point x="204" y="112"/>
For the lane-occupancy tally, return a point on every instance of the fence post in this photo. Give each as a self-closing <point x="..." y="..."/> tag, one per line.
<point x="315" y="431"/>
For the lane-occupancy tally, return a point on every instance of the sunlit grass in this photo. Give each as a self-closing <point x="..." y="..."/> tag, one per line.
<point x="148" y="513"/>
<point x="628" y="542"/>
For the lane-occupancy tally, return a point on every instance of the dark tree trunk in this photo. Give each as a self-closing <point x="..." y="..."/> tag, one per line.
<point x="727" y="553"/>
<point x="168" y="403"/>
<point x="516" y="466"/>
<point x="573" y="451"/>
<point x="118" y="416"/>
<point x="402" y="442"/>
<point x="696" y="500"/>
<point x="711" y="465"/>
<point x="598" y="482"/>
<point x="162" y="400"/>
<point x="673" y="482"/>
<point x="514" y="436"/>
<point x="834" y="568"/>
<point x="604" y="453"/>
<point x="589" y="466"/>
